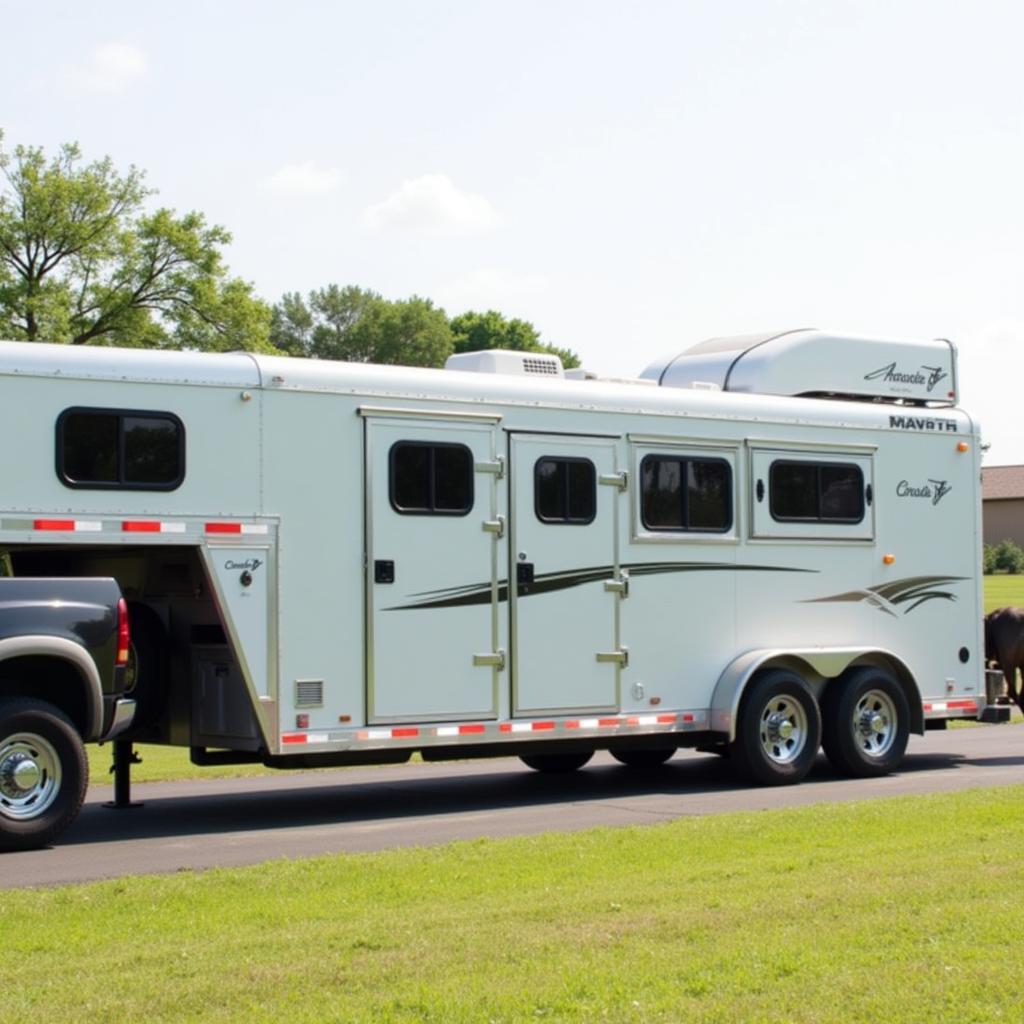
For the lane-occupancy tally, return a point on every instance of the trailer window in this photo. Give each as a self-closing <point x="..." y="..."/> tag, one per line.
<point x="431" y="479"/>
<point x="117" y="448"/>
<point x="565" y="490"/>
<point x="816" y="492"/>
<point x="685" y="494"/>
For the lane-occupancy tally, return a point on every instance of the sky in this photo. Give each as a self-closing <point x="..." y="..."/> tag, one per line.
<point x="630" y="177"/>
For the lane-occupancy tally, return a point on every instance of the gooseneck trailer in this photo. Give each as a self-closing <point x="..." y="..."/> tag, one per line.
<point x="763" y="546"/>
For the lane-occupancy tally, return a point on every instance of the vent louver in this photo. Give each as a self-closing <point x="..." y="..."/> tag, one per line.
<point x="309" y="693"/>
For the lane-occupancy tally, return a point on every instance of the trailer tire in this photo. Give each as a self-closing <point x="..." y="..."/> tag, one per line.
<point x="146" y="674"/>
<point x="43" y="773"/>
<point x="865" y="723"/>
<point x="778" y="729"/>
<point x="643" y="757"/>
<point x="556" y="764"/>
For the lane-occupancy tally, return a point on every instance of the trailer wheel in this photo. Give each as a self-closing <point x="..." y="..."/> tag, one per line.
<point x="866" y="723"/>
<point x="643" y="758"/>
<point x="146" y="673"/>
<point x="556" y="764"/>
<point x="43" y="773"/>
<point x="778" y="730"/>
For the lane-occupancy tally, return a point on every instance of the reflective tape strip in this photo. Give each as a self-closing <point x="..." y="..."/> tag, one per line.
<point x="69" y="525"/>
<point x="151" y="526"/>
<point x="951" y="705"/>
<point x="237" y="528"/>
<point x="294" y="737"/>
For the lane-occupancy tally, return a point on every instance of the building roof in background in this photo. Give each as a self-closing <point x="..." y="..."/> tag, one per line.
<point x="1002" y="482"/>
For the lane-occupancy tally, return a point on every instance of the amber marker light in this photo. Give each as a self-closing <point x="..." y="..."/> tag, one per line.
<point x="963" y="446"/>
<point x="888" y="559"/>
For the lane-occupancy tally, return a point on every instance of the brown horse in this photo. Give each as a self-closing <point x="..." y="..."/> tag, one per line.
<point x="1004" y="644"/>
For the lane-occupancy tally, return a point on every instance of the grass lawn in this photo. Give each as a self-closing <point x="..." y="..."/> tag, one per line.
<point x="885" y="912"/>
<point x="1002" y="590"/>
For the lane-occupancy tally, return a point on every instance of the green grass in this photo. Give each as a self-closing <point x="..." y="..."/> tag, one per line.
<point x="163" y="764"/>
<point x="888" y="912"/>
<point x="1002" y="590"/>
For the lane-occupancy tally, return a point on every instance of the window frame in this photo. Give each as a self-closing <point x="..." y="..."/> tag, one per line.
<point x="120" y="484"/>
<point x="433" y="511"/>
<point x="684" y="458"/>
<point x="565" y="521"/>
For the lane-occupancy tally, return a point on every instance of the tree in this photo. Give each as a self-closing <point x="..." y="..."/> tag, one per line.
<point x="473" y="332"/>
<point x="81" y="260"/>
<point x="1009" y="557"/>
<point x="356" y="325"/>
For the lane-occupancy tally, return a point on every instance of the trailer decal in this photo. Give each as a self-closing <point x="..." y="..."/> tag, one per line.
<point x="888" y="597"/>
<point x="546" y="583"/>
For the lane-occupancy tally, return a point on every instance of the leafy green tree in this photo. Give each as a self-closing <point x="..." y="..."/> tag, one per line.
<point x="1009" y="557"/>
<point x="82" y="260"/>
<point x="473" y="332"/>
<point x="988" y="559"/>
<point x="356" y="325"/>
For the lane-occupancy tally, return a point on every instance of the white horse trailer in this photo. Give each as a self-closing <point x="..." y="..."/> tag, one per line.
<point x="764" y="546"/>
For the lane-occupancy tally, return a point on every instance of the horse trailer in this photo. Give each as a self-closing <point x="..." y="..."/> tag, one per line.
<point x="763" y="546"/>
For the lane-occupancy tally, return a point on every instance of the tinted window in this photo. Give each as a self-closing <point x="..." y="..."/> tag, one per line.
<point x="431" y="479"/>
<point x="565" y="490"/>
<point x="685" y="494"/>
<point x="817" y="492"/>
<point x="98" y="448"/>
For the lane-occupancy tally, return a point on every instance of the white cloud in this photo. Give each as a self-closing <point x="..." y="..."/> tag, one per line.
<point x="112" y="68"/>
<point x="434" y="205"/>
<point x="306" y="178"/>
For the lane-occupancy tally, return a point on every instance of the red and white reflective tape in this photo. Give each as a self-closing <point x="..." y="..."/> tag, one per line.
<point x="503" y="729"/>
<point x="237" y="528"/>
<point x="151" y="526"/>
<point x="69" y="525"/>
<point x="951" y="705"/>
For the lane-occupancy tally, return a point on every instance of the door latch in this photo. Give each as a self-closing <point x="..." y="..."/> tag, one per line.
<point x="619" y="657"/>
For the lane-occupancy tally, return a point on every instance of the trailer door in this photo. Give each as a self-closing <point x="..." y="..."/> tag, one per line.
<point x="434" y="551"/>
<point x="565" y="575"/>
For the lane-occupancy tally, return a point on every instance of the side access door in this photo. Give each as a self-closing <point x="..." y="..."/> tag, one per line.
<point x="434" y="562"/>
<point x="565" y="580"/>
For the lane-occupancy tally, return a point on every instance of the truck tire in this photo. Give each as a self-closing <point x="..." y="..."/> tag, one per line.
<point x="43" y="773"/>
<point x="146" y="675"/>
<point x="643" y="758"/>
<point x="556" y="764"/>
<point x="865" y="723"/>
<point x="778" y="729"/>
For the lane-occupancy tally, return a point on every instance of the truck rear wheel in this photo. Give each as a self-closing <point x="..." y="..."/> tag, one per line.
<point x="557" y="764"/>
<point x="43" y="773"/>
<point x="778" y="729"/>
<point x="866" y="723"/>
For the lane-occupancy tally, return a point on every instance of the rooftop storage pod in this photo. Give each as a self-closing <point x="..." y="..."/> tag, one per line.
<point x="816" y="363"/>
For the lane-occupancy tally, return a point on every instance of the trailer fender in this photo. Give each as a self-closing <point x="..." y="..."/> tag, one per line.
<point x="75" y="655"/>
<point x="816" y="665"/>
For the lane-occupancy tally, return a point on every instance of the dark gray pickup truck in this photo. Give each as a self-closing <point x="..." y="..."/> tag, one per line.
<point x="64" y="648"/>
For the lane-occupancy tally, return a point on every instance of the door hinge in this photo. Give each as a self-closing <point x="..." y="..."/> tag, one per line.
<point x="497" y="467"/>
<point x="619" y="480"/>
<point x="495" y="660"/>
<point x="619" y="657"/>
<point x="496" y="526"/>
<point x="619" y="586"/>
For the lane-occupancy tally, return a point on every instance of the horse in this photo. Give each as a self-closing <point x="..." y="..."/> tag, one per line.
<point x="1004" y="644"/>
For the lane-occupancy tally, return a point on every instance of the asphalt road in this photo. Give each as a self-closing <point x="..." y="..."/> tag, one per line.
<point x="204" y="824"/>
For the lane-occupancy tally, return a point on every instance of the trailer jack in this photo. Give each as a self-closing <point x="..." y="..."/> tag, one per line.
<point x="121" y="769"/>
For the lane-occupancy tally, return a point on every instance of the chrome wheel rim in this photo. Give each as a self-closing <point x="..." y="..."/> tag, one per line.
<point x="783" y="729"/>
<point x="874" y="723"/>
<point x="29" y="776"/>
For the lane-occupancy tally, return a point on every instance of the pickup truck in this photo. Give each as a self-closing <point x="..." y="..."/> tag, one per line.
<point x="64" y="651"/>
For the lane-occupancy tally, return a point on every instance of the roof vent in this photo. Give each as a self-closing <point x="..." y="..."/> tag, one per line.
<point x="496" y="360"/>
